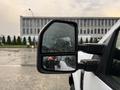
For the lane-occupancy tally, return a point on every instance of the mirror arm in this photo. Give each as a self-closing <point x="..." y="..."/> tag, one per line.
<point x="92" y="48"/>
<point x="88" y="64"/>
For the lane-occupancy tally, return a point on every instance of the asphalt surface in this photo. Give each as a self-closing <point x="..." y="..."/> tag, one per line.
<point x="18" y="72"/>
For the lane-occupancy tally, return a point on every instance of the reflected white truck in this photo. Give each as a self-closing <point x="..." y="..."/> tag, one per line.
<point x="64" y="66"/>
<point x="90" y="80"/>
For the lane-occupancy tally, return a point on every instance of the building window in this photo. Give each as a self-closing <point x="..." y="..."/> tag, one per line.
<point x="99" y="22"/>
<point x="110" y="23"/>
<point x="105" y="30"/>
<point x="95" y="31"/>
<point x="23" y="31"/>
<point x="27" y="23"/>
<point x="102" y="31"/>
<point x="91" y="22"/>
<point x="102" y="22"/>
<point x="38" y="30"/>
<point x="98" y="31"/>
<point x="88" y="31"/>
<point x="95" y="22"/>
<point x="84" y="31"/>
<point x="91" y="31"/>
<point x="30" y="22"/>
<point x="31" y="31"/>
<point x="27" y="31"/>
<point x="84" y="22"/>
<point x="105" y="22"/>
<point x="37" y="22"/>
<point x="78" y="22"/>
<point x="41" y="23"/>
<point x="45" y="21"/>
<point x="81" y="23"/>
<point x="80" y="31"/>
<point x="35" y="31"/>
<point x="23" y="24"/>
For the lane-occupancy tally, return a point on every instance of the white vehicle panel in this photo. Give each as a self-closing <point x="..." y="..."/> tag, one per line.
<point x="92" y="82"/>
<point x="76" y="79"/>
<point x="77" y="75"/>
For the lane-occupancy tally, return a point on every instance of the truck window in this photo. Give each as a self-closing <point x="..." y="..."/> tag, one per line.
<point x="116" y="61"/>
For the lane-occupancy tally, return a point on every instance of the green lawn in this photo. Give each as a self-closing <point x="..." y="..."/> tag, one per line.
<point x="13" y="46"/>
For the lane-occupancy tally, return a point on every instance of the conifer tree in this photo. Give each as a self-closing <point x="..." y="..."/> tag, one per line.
<point x="29" y="40"/>
<point x="8" y="40"/>
<point x="3" y="40"/>
<point x="95" y="40"/>
<point x="19" y="40"/>
<point x="24" y="41"/>
<point x="81" y="41"/>
<point x="86" y="40"/>
<point x="91" y="40"/>
<point x="14" y="42"/>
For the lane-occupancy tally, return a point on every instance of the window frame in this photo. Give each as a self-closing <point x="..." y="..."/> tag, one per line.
<point x="106" y="62"/>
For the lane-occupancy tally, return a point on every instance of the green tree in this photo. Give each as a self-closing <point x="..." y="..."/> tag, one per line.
<point x="3" y="40"/>
<point x="95" y="40"/>
<point x="81" y="41"/>
<point x="14" y="42"/>
<point x="86" y="40"/>
<point x="91" y="40"/>
<point x="34" y="41"/>
<point x="29" y="40"/>
<point x="19" y="40"/>
<point x="24" y="41"/>
<point x="8" y="40"/>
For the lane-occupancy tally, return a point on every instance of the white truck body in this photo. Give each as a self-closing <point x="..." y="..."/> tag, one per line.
<point x="91" y="81"/>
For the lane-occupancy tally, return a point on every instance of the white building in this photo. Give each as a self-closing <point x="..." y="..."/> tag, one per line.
<point x="87" y="26"/>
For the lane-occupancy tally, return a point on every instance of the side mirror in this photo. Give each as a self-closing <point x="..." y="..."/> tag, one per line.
<point x="57" y="47"/>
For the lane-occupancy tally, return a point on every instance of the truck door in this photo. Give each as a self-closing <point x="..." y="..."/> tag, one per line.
<point x="107" y="76"/>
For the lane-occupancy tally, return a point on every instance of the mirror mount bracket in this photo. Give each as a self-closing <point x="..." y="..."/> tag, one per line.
<point x="92" y="48"/>
<point x="88" y="64"/>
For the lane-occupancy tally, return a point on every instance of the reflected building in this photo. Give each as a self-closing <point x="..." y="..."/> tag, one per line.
<point x="95" y="27"/>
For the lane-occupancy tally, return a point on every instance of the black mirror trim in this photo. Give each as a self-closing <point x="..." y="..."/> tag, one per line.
<point x="40" y="54"/>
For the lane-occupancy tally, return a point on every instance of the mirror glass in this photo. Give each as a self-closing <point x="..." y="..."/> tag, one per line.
<point x="59" y="37"/>
<point x="59" y="63"/>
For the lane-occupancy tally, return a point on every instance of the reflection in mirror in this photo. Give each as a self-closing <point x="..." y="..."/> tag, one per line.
<point x="59" y="63"/>
<point x="59" y="37"/>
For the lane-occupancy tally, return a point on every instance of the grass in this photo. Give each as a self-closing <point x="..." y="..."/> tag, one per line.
<point x="14" y="46"/>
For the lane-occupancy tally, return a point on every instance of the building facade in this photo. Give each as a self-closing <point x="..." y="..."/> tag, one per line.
<point x="87" y="26"/>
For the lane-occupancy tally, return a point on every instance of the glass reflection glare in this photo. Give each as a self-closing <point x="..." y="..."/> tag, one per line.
<point x="59" y="37"/>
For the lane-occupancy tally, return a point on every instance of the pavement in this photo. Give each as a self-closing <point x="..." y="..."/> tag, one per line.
<point x="18" y="72"/>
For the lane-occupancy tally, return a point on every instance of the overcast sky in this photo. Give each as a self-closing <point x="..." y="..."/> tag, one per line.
<point x="11" y="10"/>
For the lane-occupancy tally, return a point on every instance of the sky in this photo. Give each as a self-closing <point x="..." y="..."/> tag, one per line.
<point x="11" y="10"/>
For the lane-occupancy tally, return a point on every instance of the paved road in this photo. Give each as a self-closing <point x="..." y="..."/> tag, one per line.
<point x="18" y="72"/>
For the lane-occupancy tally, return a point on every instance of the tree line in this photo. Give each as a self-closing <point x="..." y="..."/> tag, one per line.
<point x="24" y="41"/>
<point x="17" y="40"/>
<point x="91" y="40"/>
